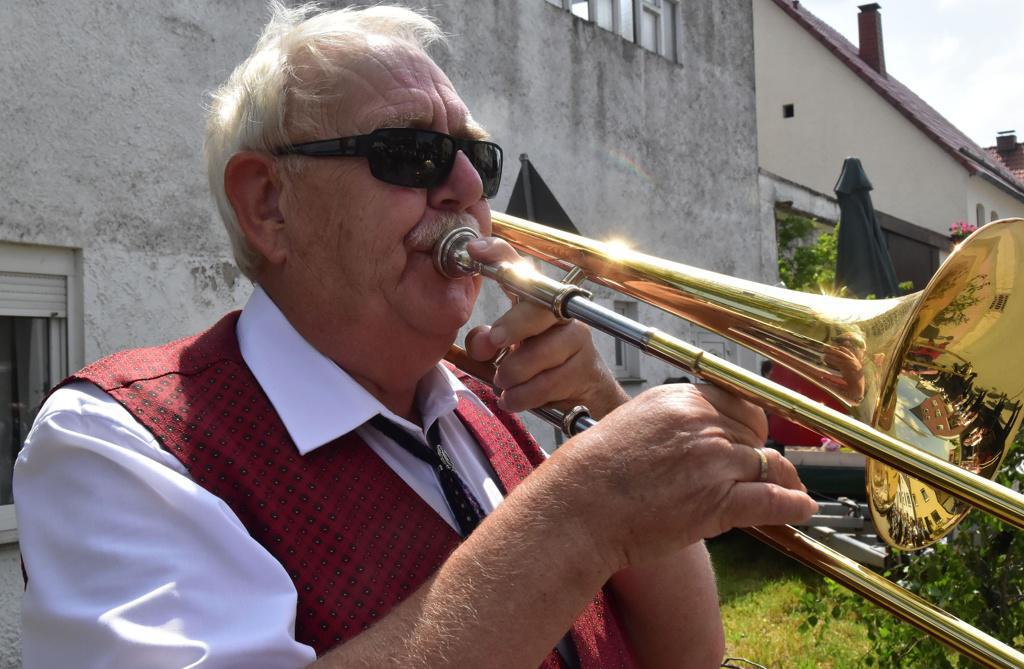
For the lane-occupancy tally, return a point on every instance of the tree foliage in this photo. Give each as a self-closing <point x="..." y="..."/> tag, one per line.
<point x="807" y="255"/>
<point x="977" y="574"/>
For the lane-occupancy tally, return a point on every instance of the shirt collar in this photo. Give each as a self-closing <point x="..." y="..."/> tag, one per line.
<point x="316" y="399"/>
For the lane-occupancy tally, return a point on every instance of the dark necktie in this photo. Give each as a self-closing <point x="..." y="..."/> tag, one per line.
<point x="467" y="511"/>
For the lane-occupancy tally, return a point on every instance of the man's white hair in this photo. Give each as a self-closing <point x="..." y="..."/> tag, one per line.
<point x="279" y="88"/>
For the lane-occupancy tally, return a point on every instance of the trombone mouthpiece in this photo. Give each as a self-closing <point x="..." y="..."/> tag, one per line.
<point x="451" y="259"/>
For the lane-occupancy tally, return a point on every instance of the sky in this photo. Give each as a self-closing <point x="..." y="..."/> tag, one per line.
<point x="963" y="57"/>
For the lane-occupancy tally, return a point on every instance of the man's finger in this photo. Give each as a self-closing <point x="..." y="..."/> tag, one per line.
<point x="478" y="344"/>
<point x="736" y="408"/>
<point x="555" y="387"/>
<point x="776" y="468"/>
<point x="551" y="349"/>
<point x="782" y="471"/>
<point x="492" y="250"/>
<point x="752" y="504"/>
<point x="522" y="321"/>
<point x="542" y="390"/>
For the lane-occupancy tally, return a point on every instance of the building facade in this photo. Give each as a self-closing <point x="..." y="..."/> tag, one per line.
<point x="821" y="99"/>
<point x="642" y="125"/>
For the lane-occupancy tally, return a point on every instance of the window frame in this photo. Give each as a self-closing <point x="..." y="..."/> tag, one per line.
<point x="629" y="370"/>
<point x="48" y="261"/>
<point x="674" y="15"/>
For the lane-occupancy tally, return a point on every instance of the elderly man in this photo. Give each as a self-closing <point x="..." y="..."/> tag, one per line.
<point x="305" y="484"/>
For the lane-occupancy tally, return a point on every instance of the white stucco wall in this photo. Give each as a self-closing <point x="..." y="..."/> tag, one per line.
<point x="801" y="198"/>
<point x="838" y="115"/>
<point x="103" y="108"/>
<point x="992" y="199"/>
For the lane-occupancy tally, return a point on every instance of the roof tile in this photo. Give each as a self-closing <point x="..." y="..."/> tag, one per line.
<point x="1012" y="160"/>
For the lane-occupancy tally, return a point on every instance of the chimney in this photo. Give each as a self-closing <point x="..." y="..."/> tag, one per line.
<point x="869" y="25"/>
<point x="1006" y="141"/>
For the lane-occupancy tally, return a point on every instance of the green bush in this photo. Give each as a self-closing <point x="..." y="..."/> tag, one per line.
<point x="807" y="257"/>
<point x="977" y="574"/>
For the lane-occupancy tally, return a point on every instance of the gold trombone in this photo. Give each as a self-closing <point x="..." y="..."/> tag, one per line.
<point x="930" y="383"/>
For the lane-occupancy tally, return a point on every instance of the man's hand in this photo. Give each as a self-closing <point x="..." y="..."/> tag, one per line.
<point x="549" y="363"/>
<point x="674" y="466"/>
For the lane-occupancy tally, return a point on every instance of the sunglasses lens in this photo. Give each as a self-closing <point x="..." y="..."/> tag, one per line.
<point x="411" y="158"/>
<point x="486" y="158"/>
<point x="423" y="159"/>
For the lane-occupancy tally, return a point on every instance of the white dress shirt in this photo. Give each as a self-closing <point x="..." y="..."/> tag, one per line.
<point x="131" y="564"/>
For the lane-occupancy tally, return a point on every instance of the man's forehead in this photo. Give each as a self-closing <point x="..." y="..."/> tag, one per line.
<point x="468" y="128"/>
<point x="388" y="83"/>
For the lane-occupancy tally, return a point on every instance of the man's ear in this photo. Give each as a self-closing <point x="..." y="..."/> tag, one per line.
<point x="253" y="188"/>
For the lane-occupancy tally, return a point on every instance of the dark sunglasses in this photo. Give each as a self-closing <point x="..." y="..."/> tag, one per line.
<point x="410" y="157"/>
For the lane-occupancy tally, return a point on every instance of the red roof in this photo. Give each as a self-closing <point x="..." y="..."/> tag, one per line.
<point x="1013" y="159"/>
<point x="974" y="159"/>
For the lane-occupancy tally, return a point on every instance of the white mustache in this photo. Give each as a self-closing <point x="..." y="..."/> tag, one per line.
<point x="423" y="237"/>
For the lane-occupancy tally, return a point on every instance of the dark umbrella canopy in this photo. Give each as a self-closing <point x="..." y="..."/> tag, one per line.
<point x="863" y="264"/>
<point x="533" y="200"/>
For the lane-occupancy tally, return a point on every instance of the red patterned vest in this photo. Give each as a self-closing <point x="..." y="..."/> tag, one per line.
<point x="355" y="539"/>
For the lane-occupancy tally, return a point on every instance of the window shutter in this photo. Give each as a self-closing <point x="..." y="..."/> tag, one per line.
<point x="44" y="295"/>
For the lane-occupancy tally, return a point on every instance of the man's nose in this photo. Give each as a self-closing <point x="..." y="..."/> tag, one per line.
<point x="462" y="189"/>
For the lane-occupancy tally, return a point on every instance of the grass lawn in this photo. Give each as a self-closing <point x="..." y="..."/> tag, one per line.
<point x="760" y="593"/>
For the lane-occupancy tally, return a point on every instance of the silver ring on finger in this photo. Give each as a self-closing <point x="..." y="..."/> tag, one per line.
<point x="763" y="477"/>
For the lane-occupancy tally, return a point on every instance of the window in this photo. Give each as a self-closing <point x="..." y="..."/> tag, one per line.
<point x="657" y="29"/>
<point x="979" y="215"/>
<point x="581" y="9"/>
<point x="625" y="27"/>
<point x="788" y="111"/>
<point x="993" y="216"/>
<point x="38" y="286"/>
<point x="627" y="357"/>
<point x="613" y="15"/>
<point x="653" y="24"/>
<point x="605" y="14"/>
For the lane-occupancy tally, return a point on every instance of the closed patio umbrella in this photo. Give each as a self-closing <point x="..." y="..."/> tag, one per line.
<point x="863" y="264"/>
<point x="533" y="200"/>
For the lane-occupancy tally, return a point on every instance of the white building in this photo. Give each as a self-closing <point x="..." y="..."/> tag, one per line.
<point x="821" y="99"/>
<point x="108" y="238"/>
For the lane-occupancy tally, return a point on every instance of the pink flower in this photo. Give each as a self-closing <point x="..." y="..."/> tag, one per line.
<point x="829" y="445"/>
<point x="961" y="229"/>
